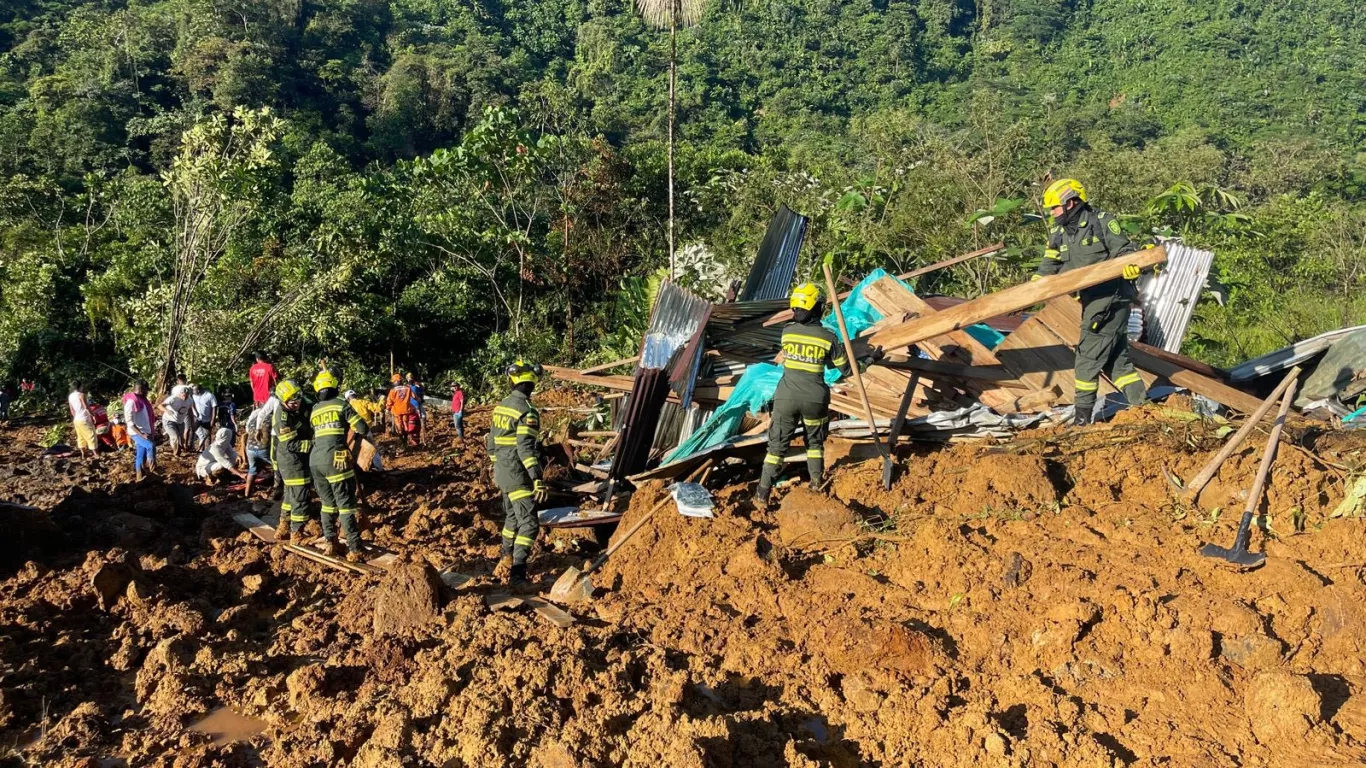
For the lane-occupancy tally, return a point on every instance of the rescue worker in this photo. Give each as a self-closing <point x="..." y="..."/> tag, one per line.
<point x="334" y="475"/>
<point x="514" y="449"/>
<point x="1082" y="236"/>
<point x="808" y="348"/>
<point x="291" y="434"/>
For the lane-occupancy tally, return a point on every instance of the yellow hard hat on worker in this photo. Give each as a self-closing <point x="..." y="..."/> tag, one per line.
<point x="805" y="296"/>
<point x="288" y="390"/>
<point x="325" y="380"/>
<point x="522" y="372"/>
<point x="1062" y="190"/>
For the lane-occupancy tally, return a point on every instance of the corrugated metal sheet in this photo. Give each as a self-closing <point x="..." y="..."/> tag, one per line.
<point x="673" y="341"/>
<point x="1294" y="354"/>
<point x="1169" y="298"/>
<point x="771" y="275"/>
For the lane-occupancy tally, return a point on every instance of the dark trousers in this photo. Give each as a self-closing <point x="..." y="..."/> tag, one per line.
<point x="814" y="418"/>
<point x="520" y="524"/>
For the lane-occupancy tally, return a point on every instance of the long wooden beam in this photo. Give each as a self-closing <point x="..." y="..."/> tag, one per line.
<point x="1012" y="300"/>
<point x="938" y="265"/>
<point x="1214" y="389"/>
<point x="932" y="368"/>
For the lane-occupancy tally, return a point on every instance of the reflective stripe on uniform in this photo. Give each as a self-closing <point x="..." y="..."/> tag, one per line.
<point x="503" y="410"/>
<point x="773" y="458"/>
<point x="1127" y="379"/>
<point x="347" y="475"/>
<point x="1049" y="253"/>
<point x="327" y="431"/>
<point x="815" y="453"/>
<point x="508" y="534"/>
<point x="509" y="440"/>
<point x="525" y="541"/>
<point x="800" y="366"/>
<point x="286" y="506"/>
<point x="525" y="430"/>
<point x="519" y="495"/>
<point x="530" y="462"/>
<point x="1086" y="386"/>
<point x="814" y="422"/>
<point x="803" y="338"/>
<point x="329" y="510"/>
<point x="296" y="481"/>
<point x="346" y="511"/>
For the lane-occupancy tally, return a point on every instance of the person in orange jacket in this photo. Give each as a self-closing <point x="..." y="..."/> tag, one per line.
<point x="399" y="404"/>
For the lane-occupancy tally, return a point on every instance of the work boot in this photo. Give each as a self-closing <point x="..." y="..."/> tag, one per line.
<point x="329" y="547"/>
<point x="503" y="568"/>
<point x="282" y="527"/>
<point x="761" y="497"/>
<point x="517" y="576"/>
<point x="1082" y="418"/>
<point x="354" y="556"/>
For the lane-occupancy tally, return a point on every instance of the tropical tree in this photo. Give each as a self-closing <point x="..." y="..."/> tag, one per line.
<point x="670" y="15"/>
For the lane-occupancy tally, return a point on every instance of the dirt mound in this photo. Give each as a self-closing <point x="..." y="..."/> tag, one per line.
<point x="1040" y="602"/>
<point x="407" y="600"/>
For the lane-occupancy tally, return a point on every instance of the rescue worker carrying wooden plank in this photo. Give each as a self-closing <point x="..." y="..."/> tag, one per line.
<point x="291" y="433"/>
<point x="514" y="449"/>
<point x="334" y="476"/>
<point x="802" y="395"/>
<point x="1082" y="236"/>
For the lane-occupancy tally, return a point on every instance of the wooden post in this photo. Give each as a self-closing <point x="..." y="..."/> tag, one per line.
<point x="1207" y="473"/>
<point x="853" y="366"/>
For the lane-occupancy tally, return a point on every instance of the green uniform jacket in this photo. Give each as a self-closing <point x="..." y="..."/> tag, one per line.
<point x="292" y="433"/>
<point x="513" y="443"/>
<point x="808" y="349"/>
<point x="330" y="420"/>
<point x="1097" y="238"/>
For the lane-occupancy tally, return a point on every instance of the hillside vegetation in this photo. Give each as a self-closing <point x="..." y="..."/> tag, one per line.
<point x="456" y="183"/>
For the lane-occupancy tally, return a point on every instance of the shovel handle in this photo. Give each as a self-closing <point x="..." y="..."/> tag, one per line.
<point x="1254" y="497"/>
<point x="853" y="363"/>
<point x="1207" y="472"/>
<point x="702" y="470"/>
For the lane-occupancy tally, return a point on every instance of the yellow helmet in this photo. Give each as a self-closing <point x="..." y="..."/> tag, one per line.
<point x="287" y="390"/>
<point x="1061" y="191"/>
<point x="325" y="380"/>
<point x="805" y="296"/>
<point x="521" y="372"/>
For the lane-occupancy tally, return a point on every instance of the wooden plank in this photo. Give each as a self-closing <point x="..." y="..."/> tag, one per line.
<point x="1013" y="299"/>
<point x="455" y="580"/>
<point x="551" y="613"/>
<point x="1062" y="315"/>
<point x="1039" y="358"/>
<point x="1215" y="390"/>
<point x="938" y="265"/>
<point x="933" y="368"/>
<point x="501" y="601"/>
<point x="335" y="562"/>
<point x="1189" y="363"/>
<point x="256" y="525"/>
<point x="609" y="366"/>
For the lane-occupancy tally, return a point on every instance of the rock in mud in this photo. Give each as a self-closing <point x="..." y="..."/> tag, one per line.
<point x="110" y="580"/>
<point x="1283" y="707"/>
<point x="408" y="601"/>
<point x="807" y="518"/>
<point x="1254" y="651"/>
<point x="1017" y="572"/>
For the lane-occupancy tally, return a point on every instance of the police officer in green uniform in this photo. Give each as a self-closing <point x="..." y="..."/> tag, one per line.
<point x="514" y="449"/>
<point x="291" y="433"/>
<point x="1082" y="236"/>
<point x="330" y="459"/>
<point x="802" y="395"/>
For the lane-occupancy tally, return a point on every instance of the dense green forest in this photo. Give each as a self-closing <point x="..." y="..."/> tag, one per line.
<point x="455" y="183"/>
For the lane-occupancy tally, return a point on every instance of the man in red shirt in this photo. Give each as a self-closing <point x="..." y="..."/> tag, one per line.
<point x="263" y="379"/>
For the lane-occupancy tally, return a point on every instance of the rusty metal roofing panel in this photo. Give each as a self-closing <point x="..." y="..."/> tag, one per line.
<point x="771" y="275"/>
<point x="1169" y="297"/>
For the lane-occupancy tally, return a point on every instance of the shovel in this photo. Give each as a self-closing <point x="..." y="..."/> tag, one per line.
<point x="575" y="586"/>
<point x="887" y="467"/>
<point x="1239" y="555"/>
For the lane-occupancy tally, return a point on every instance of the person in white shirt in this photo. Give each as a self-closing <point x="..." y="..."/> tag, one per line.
<point x="176" y="419"/>
<point x="219" y="457"/>
<point x="259" y="425"/>
<point x="205" y="405"/>
<point x="180" y="388"/>
<point x="80" y="419"/>
<point x="137" y="412"/>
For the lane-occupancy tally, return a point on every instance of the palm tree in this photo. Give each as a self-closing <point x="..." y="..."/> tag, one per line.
<point x="670" y="15"/>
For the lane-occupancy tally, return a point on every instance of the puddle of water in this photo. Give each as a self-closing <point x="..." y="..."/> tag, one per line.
<point x="226" y="726"/>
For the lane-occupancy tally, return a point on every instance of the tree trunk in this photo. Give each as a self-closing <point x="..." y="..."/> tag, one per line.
<point x="673" y="65"/>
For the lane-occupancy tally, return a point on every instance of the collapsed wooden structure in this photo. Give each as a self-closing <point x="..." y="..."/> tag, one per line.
<point x="932" y="356"/>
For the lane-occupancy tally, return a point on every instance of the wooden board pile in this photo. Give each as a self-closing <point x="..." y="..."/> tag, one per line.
<point x="931" y="354"/>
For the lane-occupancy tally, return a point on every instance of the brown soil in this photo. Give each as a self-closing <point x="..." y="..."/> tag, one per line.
<point x="1039" y="602"/>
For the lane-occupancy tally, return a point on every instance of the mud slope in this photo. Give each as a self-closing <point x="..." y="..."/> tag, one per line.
<point x="1035" y="603"/>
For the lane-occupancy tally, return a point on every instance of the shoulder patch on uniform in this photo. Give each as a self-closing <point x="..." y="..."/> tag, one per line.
<point x="1113" y="224"/>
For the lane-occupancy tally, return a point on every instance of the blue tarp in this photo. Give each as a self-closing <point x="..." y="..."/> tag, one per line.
<point x="755" y="388"/>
